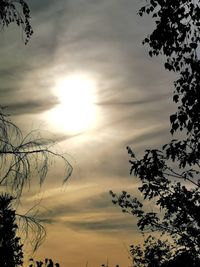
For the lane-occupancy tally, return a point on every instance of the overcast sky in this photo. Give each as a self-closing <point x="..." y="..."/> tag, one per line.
<point x="100" y="39"/>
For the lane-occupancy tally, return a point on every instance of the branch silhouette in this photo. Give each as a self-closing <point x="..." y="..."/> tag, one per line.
<point x="169" y="176"/>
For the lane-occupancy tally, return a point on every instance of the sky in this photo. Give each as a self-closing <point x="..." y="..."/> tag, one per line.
<point x="122" y="97"/>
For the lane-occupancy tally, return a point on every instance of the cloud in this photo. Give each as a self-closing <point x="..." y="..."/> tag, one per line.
<point x="93" y="213"/>
<point x="132" y="103"/>
<point x="102" y="39"/>
<point x="106" y="225"/>
<point x="31" y="107"/>
<point x="80" y="205"/>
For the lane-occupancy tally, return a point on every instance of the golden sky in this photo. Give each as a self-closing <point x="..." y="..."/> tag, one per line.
<point x="86" y="79"/>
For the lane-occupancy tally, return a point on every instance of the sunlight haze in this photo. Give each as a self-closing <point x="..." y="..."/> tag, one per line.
<point x="76" y="111"/>
<point x="85" y="80"/>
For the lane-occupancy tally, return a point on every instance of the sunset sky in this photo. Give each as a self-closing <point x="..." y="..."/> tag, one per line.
<point x="86" y="80"/>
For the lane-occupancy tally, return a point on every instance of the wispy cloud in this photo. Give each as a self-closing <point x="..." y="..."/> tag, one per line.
<point x="103" y="39"/>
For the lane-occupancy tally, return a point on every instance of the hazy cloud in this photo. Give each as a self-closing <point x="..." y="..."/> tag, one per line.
<point x="31" y="107"/>
<point x="107" y="225"/>
<point x="102" y="39"/>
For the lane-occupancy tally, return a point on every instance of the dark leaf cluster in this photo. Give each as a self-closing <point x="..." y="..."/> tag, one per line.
<point x="45" y="263"/>
<point x="169" y="177"/>
<point x="177" y="37"/>
<point x="155" y="253"/>
<point x="11" y="253"/>
<point x="16" y="11"/>
<point x="160" y="253"/>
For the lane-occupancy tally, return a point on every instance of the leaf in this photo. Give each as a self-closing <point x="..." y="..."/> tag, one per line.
<point x="193" y="45"/>
<point x="173" y="118"/>
<point x="168" y="66"/>
<point x="175" y="98"/>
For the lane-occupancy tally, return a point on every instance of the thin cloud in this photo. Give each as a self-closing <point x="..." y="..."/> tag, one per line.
<point x="135" y="102"/>
<point x="31" y="107"/>
<point x="106" y="225"/>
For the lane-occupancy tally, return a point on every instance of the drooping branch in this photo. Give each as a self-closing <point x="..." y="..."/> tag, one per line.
<point x="16" y="11"/>
<point x="21" y="157"/>
<point x="31" y="229"/>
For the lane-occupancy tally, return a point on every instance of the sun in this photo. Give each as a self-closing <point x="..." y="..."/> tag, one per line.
<point x="76" y="111"/>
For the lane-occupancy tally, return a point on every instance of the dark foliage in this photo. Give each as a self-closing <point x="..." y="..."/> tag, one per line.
<point x="177" y="37"/>
<point x="46" y="263"/>
<point x="16" y="11"/>
<point x="153" y="254"/>
<point x="23" y="157"/>
<point x="19" y="156"/>
<point x="170" y="176"/>
<point x="161" y="253"/>
<point x="183" y="260"/>
<point x="11" y="254"/>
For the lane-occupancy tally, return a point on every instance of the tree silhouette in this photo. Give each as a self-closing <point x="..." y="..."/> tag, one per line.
<point x="23" y="157"/>
<point x="161" y="253"/>
<point x="16" y="11"/>
<point x="46" y="263"/>
<point x="154" y="253"/>
<point x="170" y="176"/>
<point x="11" y="254"/>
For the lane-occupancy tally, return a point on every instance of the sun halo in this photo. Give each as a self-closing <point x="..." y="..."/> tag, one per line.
<point x="76" y="111"/>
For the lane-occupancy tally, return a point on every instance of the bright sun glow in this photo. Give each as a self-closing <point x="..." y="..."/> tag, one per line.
<point x="76" y="111"/>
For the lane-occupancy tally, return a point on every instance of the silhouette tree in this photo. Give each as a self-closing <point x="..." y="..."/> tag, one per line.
<point x="21" y="156"/>
<point x="46" y="263"/>
<point x="183" y="260"/>
<point x="154" y="253"/>
<point x="170" y="176"/>
<point x="16" y="11"/>
<point x="21" y="159"/>
<point x="11" y="254"/>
